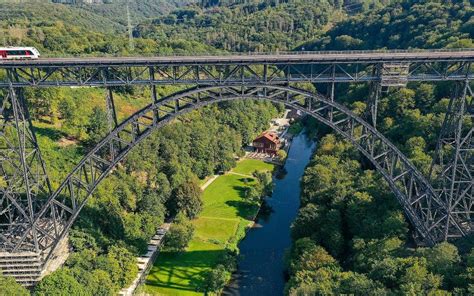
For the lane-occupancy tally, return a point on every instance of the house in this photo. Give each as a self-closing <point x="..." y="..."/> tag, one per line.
<point x="267" y="142"/>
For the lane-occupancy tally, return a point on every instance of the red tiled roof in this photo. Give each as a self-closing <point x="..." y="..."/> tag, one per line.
<point x="270" y="136"/>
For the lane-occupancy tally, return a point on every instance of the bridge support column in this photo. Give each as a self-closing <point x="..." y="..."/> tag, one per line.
<point x="375" y="90"/>
<point x="24" y="184"/>
<point x="331" y="90"/>
<point x="452" y="170"/>
<point x="23" y="178"/>
<point x="111" y="118"/>
<point x="111" y="112"/>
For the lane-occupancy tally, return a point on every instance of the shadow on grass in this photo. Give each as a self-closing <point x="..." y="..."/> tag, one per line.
<point x="183" y="271"/>
<point x="240" y="190"/>
<point x="51" y="133"/>
<point x="246" y="180"/>
<point x="245" y="209"/>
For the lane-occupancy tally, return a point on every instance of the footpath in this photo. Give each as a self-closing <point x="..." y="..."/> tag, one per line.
<point x="145" y="262"/>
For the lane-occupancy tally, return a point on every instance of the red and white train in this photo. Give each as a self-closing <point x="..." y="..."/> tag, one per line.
<point x="18" y="53"/>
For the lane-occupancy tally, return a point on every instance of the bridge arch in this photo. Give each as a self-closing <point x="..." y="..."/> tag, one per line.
<point x="425" y="210"/>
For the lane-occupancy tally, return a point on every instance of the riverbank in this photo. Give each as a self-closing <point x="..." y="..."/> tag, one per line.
<point x="220" y="226"/>
<point x="261" y="265"/>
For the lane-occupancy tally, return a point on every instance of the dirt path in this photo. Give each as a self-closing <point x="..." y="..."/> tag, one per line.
<point x="239" y="174"/>
<point x="208" y="182"/>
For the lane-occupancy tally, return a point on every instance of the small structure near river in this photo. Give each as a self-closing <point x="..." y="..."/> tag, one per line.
<point x="268" y="143"/>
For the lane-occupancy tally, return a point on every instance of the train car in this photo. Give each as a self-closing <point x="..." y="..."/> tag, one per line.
<point x="18" y="53"/>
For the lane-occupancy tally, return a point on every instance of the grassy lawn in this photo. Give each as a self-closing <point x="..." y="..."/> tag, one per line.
<point x="248" y="166"/>
<point x="221" y="223"/>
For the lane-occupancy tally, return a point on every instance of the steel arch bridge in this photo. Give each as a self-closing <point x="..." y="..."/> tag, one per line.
<point x="34" y="218"/>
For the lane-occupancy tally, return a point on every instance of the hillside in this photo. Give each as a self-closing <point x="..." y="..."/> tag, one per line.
<point x="351" y="236"/>
<point x="406" y="24"/>
<point x="36" y="14"/>
<point x="139" y="9"/>
<point x="253" y="26"/>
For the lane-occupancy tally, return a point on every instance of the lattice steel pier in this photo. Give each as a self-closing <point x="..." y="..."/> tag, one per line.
<point x="35" y="218"/>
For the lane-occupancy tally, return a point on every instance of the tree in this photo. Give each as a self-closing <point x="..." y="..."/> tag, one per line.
<point x="442" y="259"/>
<point x="425" y="96"/>
<point x="217" y="279"/>
<point x="345" y="42"/>
<point x="323" y="225"/>
<point x="299" y="247"/>
<point x="418" y="281"/>
<point x="187" y="199"/>
<point x="359" y="284"/>
<point x="367" y="253"/>
<point x="67" y="109"/>
<point x="282" y="154"/>
<point x="401" y="101"/>
<point x="314" y="258"/>
<point x="179" y="235"/>
<point x="84" y="259"/>
<point x="43" y="102"/>
<point x="81" y="240"/>
<point x="127" y="264"/>
<point x="112" y="267"/>
<point x="315" y="272"/>
<point x="97" y="127"/>
<point x="252" y="194"/>
<point x="305" y="222"/>
<point x="8" y="286"/>
<point x="102" y="284"/>
<point x="59" y="283"/>
<point x="265" y="182"/>
<point x="415" y="147"/>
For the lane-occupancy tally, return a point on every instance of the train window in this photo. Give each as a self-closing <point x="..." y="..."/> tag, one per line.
<point x="16" y="52"/>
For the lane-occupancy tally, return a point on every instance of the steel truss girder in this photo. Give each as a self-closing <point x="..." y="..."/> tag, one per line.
<point x="452" y="169"/>
<point x="23" y="178"/>
<point x="108" y="75"/>
<point x="423" y="207"/>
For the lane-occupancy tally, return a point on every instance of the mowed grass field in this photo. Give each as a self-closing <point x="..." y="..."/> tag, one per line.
<point x="221" y="223"/>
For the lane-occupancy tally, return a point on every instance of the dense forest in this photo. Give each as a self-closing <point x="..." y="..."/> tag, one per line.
<point x="253" y="26"/>
<point x="403" y="25"/>
<point x="350" y="235"/>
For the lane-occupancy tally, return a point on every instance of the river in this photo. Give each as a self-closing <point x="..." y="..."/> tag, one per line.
<point x="261" y="267"/>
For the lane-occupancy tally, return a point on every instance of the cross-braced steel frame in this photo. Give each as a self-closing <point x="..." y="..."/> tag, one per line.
<point x="23" y="178"/>
<point x="452" y="170"/>
<point x="34" y="218"/>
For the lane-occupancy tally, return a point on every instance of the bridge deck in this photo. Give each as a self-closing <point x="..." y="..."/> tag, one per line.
<point x="282" y="58"/>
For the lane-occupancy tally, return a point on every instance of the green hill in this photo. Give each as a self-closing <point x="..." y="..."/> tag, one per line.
<point x="406" y="24"/>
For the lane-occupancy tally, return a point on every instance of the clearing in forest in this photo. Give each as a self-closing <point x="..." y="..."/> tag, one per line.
<point x="222" y="223"/>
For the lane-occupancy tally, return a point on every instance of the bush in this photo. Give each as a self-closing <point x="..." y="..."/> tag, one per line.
<point x="282" y="154"/>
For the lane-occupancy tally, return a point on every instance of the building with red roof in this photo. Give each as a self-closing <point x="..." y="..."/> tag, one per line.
<point x="267" y="142"/>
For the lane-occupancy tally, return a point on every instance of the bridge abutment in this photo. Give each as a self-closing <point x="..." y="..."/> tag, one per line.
<point x="28" y="267"/>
